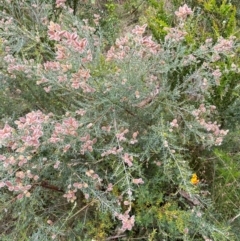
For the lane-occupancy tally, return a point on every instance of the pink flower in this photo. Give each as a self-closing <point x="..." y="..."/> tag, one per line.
<point x="54" y="31"/>
<point x="51" y="65"/>
<point x="223" y="45"/>
<point x="139" y="30"/>
<point x="56" y="165"/>
<point x="174" y="123"/>
<point x="134" y="138"/>
<point x="183" y="12"/>
<point x="127" y="221"/>
<point x="60" y="3"/>
<point x="20" y="174"/>
<point x="70" y="195"/>
<point x="138" y="181"/>
<point x="6" y="132"/>
<point x="47" y="89"/>
<point x="106" y="128"/>
<point x="109" y="187"/>
<point x="128" y="159"/>
<point x="120" y="136"/>
<point x="175" y="34"/>
<point x="2" y="184"/>
<point x="61" y="52"/>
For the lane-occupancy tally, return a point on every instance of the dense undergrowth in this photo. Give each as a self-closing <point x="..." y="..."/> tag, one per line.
<point x="119" y="120"/>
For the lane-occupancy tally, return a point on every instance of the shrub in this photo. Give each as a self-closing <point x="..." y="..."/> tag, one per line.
<point x="114" y="160"/>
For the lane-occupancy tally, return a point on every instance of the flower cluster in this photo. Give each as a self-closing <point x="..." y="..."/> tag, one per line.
<point x="146" y="46"/>
<point x="212" y="127"/>
<point x="127" y="221"/>
<point x="69" y="126"/>
<point x="183" y="12"/>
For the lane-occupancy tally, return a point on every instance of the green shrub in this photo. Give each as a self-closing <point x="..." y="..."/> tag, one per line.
<point x="116" y="156"/>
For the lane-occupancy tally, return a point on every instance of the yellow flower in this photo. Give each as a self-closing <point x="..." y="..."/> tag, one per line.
<point x="194" y="179"/>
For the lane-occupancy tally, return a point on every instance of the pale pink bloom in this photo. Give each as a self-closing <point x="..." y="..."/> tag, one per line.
<point x="165" y="143"/>
<point x="87" y="146"/>
<point x="174" y="123"/>
<point x="124" y="81"/>
<point x="223" y="45"/>
<point x="61" y="52"/>
<point x="70" y="123"/>
<point x="204" y="85"/>
<point x="70" y="37"/>
<point x="106" y="128"/>
<point x="55" y="35"/>
<point x="53" y="236"/>
<point x="150" y="44"/>
<point x="66" y="67"/>
<point x="175" y="34"/>
<point x="6" y="132"/>
<point x="89" y="125"/>
<point x="120" y="136"/>
<point x="86" y="195"/>
<point x="62" y="78"/>
<point x="158" y="163"/>
<point x="36" y="177"/>
<point x="43" y="80"/>
<point x="70" y="195"/>
<point x="2" y="158"/>
<point x="217" y="74"/>
<point x="66" y="148"/>
<point x="54" y="31"/>
<point x="111" y="54"/>
<point x="134" y="138"/>
<point x="9" y="59"/>
<point x="78" y="185"/>
<point x="30" y="141"/>
<point x="138" y="181"/>
<point x="120" y="42"/>
<point x="52" y="65"/>
<point x="85" y="138"/>
<point x="135" y="134"/>
<point x="88" y="58"/>
<point x="183" y="12"/>
<point x="20" y="174"/>
<point x="29" y="174"/>
<point x="127" y="159"/>
<point x="109" y="187"/>
<point x="10" y="160"/>
<point x="215" y="57"/>
<point x="75" y="84"/>
<point x="2" y="184"/>
<point x="139" y="30"/>
<point x="137" y="94"/>
<point x="89" y="173"/>
<point x="50" y="222"/>
<point x="80" y="45"/>
<point x="127" y="221"/>
<point x="56" y="165"/>
<point x="80" y="112"/>
<point x="86" y="88"/>
<point x="20" y="196"/>
<point x="218" y="141"/>
<point x="113" y="151"/>
<point x="60" y="3"/>
<point x="9" y="185"/>
<point x="22" y="161"/>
